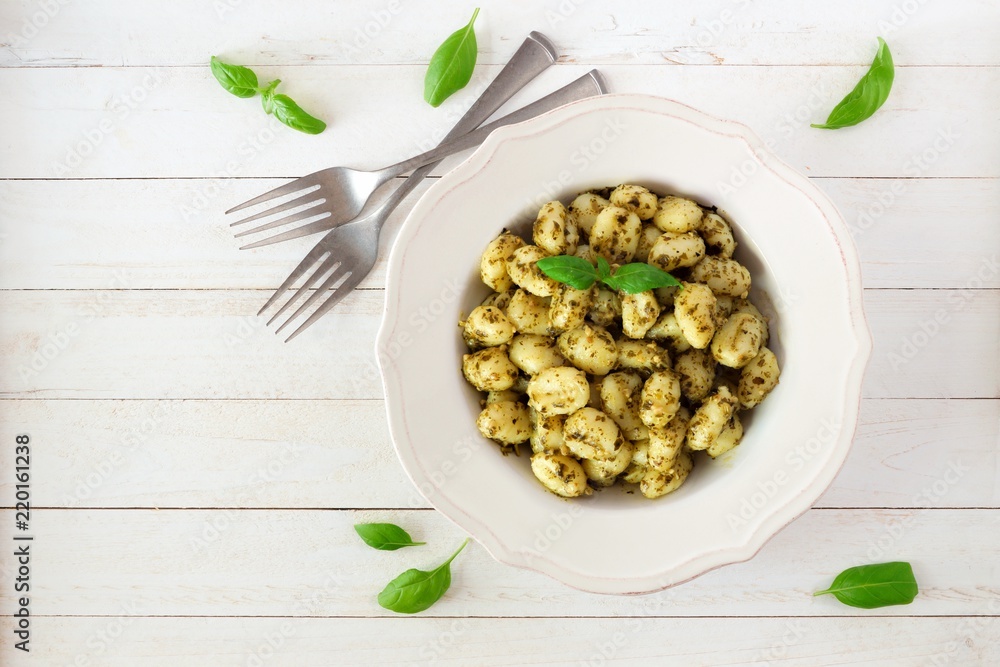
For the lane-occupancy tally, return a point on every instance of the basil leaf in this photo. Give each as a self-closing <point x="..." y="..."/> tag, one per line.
<point x="384" y="536"/>
<point x="267" y="95"/>
<point x="416" y="590"/>
<point x="291" y="114"/>
<point x="603" y="269"/>
<point x="268" y="90"/>
<point x="239" y="80"/>
<point x="866" y="98"/>
<point x="640" y="277"/>
<point x="242" y="82"/>
<point x="576" y="272"/>
<point x="451" y="65"/>
<point x="873" y="586"/>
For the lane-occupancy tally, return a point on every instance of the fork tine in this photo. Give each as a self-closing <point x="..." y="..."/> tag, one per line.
<point x="313" y="196"/>
<point x="338" y="274"/>
<point x="306" y="181"/>
<point x="314" y="255"/>
<point x="345" y="288"/>
<point x="288" y="219"/>
<point x="320" y="225"/>
<point x="321" y="270"/>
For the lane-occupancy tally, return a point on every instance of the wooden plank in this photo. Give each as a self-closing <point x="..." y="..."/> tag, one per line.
<point x="940" y="344"/>
<point x="921" y="453"/>
<point x="137" y="641"/>
<point x="210" y="454"/>
<point x="208" y="344"/>
<point x="307" y="454"/>
<point x="198" y="342"/>
<point x="142" y="234"/>
<point x="172" y="234"/>
<point x="181" y="344"/>
<point x="888" y="216"/>
<point x="404" y="31"/>
<point x="100" y="122"/>
<point x="250" y="563"/>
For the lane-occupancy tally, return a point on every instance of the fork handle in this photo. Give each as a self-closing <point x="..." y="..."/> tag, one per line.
<point x="590" y="84"/>
<point x="534" y="55"/>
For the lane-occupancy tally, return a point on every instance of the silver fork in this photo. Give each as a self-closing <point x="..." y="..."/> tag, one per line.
<point x="347" y="253"/>
<point x="345" y="191"/>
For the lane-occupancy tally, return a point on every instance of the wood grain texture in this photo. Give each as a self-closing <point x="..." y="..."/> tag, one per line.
<point x="673" y="642"/>
<point x="107" y="122"/>
<point x="129" y="349"/>
<point x="171" y="234"/>
<point x="407" y="31"/>
<point x="209" y="344"/>
<point x="248" y="563"/>
<point x="337" y="454"/>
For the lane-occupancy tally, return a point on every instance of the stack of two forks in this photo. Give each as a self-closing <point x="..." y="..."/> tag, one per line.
<point x="332" y="200"/>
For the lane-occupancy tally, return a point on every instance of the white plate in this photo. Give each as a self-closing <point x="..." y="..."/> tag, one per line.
<point x="806" y="278"/>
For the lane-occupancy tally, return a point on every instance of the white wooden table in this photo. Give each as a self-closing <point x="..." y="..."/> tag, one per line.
<point x="195" y="480"/>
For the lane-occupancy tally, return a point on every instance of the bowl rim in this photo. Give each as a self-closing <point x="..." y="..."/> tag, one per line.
<point x="698" y="563"/>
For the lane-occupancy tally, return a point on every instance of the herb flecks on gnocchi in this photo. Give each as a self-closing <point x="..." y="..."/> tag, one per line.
<point x="608" y="386"/>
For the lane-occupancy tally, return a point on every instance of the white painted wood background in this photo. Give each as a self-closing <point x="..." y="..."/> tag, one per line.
<point x="195" y="480"/>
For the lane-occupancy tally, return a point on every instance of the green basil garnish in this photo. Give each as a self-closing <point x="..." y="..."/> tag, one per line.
<point x="866" y="98"/>
<point x="873" y="586"/>
<point x="242" y="82"/>
<point x="384" y="536"/>
<point x="580" y="274"/>
<point x="451" y="65"/>
<point x="638" y="277"/>
<point x="416" y="590"/>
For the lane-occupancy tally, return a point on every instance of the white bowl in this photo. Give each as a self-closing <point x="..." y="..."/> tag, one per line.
<point x="806" y="276"/>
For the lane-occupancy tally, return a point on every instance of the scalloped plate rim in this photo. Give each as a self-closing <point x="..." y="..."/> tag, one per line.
<point x="788" y="510"/>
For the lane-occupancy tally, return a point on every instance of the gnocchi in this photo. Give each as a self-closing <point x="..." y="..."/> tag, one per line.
<point x="718" y="236"/>
<point x="620" y="400"/>
<point x="738" y="340"/>
<point x="647" y="238"/>
<point x="487" y="326"/>
<point x="667" y="442"/>
<point x="505" y="422"/>
<point x="533" y="353"/>
<point x="694" y="308"/>
<point x="546" y="432"/>
<point x="605" y="308"/>
<point x="725" y="277"/>
<point x="660" y="399"/>
<point x="676" y="214"/>
<point x="589" y="348"/>
<point x="591" y="434"/>
<point x="560" y="474"/>
<point x="673" y="250"/>
<point x="584" y="209"/>
<point x="604" y="472"/>
<point x="559" y="391"/>
<point x="656" y="482"/>
<point x="523" y="270"/>
<point x="490" y="369"/>
<point x="758" y="378"/>
<point x="635" y="198"/>
<point x="569" y="307"/>
<point x="553" y="232"/>
<point x="493" y="266"/>
<point x="639" y="313"/>
<point x="606" y="386"/>
<point x="644" y="356"/>
<point x="615" y="234"/>
<point x="529" y="313"/>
